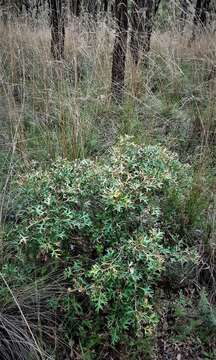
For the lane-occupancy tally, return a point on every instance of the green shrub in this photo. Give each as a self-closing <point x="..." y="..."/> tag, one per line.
<point x="111" y="227"/>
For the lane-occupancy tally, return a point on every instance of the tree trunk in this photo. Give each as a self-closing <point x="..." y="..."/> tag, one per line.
<point x="75" y="7"/>
<point x="120" y="49"/>
<point x="137" y="28"/>
<point x="57" y="18"/>
<point x="152" y="7"/>
<point x="148" y="25"/>
<point x="105" y="6"/>
<point x="143" y="12"/>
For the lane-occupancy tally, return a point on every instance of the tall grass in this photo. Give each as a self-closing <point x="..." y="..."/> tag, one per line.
<point x="59" y="108"/>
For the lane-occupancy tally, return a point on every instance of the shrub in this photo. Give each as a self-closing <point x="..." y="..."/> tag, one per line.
<point x="111" y="227"/>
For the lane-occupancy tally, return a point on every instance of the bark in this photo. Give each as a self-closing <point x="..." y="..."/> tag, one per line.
<point x="148" y="25"/>
<point x="137" y="28"/>
<point x="120" y="49"/>
<point x="105" y="6"/>
<point x="143" y="12"/>
<point x="152" y="7"/>
<point x="57" y="22"/>
<point x="75" y="7"/>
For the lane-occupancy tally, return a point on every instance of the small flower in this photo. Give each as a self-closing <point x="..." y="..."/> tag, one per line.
<point x="23" y="240"/>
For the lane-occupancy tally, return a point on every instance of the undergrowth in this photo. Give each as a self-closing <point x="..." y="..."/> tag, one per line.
<point x="113" y="228"/>
<point x="101" y="250"/>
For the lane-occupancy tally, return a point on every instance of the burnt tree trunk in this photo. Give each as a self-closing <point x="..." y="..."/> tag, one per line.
<point x="57" y="22"/>
<point x="120" y="49"/>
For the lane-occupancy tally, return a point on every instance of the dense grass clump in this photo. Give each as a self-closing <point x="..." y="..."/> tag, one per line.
<point x="113" y="228"/>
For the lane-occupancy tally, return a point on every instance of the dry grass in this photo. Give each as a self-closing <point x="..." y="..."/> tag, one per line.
<point x="49" y="93"/>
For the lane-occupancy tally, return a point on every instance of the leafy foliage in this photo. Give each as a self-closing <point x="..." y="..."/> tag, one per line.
<point x="111" y="227"/>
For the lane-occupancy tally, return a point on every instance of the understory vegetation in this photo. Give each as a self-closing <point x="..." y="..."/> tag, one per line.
<point x="107" y="210"/>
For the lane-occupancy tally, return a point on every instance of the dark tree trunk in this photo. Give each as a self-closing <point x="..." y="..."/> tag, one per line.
<point x="143" y="12"/>
<point x="137" y="28"/>
<point x="120" y="49"/>
<point x="152" y="7"/>
<point x="105" y="6"/>
<point x="57" y="22"/>
<point x="75" y="7"/>
<point x="148" y="25"/>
